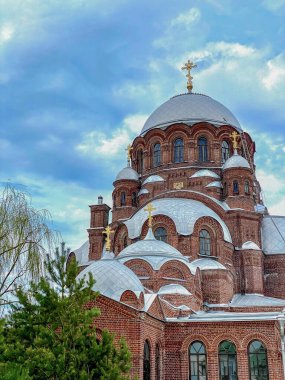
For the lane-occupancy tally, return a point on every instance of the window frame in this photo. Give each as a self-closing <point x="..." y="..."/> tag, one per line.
<point x="146" y="361"/>
<point x="235" y="187"/>
<point x="178" y="150"/>
<point x="205" y="241"/>
<point x="198" y="356"/>
<point x="123" y="198"/>
<point x="229" y="358"/>
<point x="225" y="149"/>
<point x="156" y="155"/>
<point x="250" y="354"/>
<point x="203" y="149"/>
<point x="161" y="235"/>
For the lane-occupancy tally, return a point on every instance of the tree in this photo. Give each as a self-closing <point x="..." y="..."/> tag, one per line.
<point x="25" y="238"/>
<point x="49" y="332"/>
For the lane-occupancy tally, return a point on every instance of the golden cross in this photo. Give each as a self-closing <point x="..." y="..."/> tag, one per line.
<point x="108" y="233"/>
<point x="234" y="137"/>
<point x="129" y="150"/>
<point x="149" y="208"/>
<point x="189" y="66"/>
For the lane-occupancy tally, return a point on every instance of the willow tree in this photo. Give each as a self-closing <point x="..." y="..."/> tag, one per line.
<point x="25" y="238"/>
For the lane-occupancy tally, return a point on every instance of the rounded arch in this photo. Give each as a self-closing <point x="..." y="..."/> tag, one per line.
<point x="175" y="269"/>
<point x="175" y="130"/>
<point x="257" y="336"/>
<point x="203" y="128"/>
<point x="225" y="337"/>
<point x="160" y="233"/>
<point x="140" y="267"/>
<point x="192" y="338"/>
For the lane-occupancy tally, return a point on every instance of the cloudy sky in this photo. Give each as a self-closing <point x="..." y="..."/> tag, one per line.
<point x="78" y="78"/>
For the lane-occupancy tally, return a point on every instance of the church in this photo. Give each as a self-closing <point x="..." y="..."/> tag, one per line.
<point x="190" y="266"/>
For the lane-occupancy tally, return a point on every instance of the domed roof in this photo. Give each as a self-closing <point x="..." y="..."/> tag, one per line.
<point x="174" y="289"/>
<point x="204" y="173"/>
<point x="153" y="178"/>
<point x="112" y="278"/>
<point x="236" y="161"/>
<point x="207" y="264"/>
<point x="127" y="173"/>
<point x="250" y="245"/>
<point x="150" y="246"/>
<point x="190" y="108"/>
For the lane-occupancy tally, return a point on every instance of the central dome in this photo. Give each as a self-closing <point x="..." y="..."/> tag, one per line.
<point x="190" y="108"/>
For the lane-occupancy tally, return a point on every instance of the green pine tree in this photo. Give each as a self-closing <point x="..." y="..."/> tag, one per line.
<point x="49" y="333"/>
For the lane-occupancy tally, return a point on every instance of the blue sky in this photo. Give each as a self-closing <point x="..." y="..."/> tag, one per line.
<point x="78" y="79"/>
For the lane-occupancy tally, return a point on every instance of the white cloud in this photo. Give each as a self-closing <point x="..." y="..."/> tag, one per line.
<point x="6" y="33"/>
<point x="275" y="73"/>
<point x="186" y="18"/>
<point x="273" y="5"/>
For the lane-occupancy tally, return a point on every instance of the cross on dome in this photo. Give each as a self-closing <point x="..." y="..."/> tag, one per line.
<point x="234" y="137"/>
<point x="129" y="150"/>
<point x="189" y="66"/>
<point x="108" y="233"/>
<point x="149" y="208"/>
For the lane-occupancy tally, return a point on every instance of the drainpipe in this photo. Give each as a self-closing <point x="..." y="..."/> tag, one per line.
<point x="281" y="319"/>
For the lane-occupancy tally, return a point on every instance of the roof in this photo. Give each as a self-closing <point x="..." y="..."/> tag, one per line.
<point x="153" y="178"/>
<point x="127" y="173"/>
<point x="204" y="173"/>
<point x="143" y="191"/>
<point x="252" y="300"/>
<point x="82" y="254"/>
<point x="250" y="245"/>
<point x="183" y="212"/>
<point x="190" y="108"/>
<point x="112" y="278"/>
<point x="273" y="234"/>
<point x="215" y="184"/>
<point x="236" y="161"/>
<point x="207" y="264"/>
<point x="174" y="289"/>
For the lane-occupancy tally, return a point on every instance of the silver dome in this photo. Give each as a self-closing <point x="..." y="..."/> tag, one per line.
<point x="207" y="264"/>
<point x="127" y="173"/>
<point x="236" y="161"/>
<point x="190" y="108"/>
<point x="112" y="278"/>
<point x="204" y="173"/>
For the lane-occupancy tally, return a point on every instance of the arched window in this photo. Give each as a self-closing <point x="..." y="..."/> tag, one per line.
<point x="178" y="151"/>
<point x="146" y="361"/>
<point x="203" y="149"/>
<point x="246" y="187"/>
<point x="257" y="357"/>
<point x="157" y="363"/>
<point x="134" y="199"/>
<point x="225" y="151"/>
<point x="205" y="243"/>
<point x="235" y="187"/>
<point x="156" y="155"/>
<point x="125" y="241"/>
<point x="123" y="198"/>
<point x="140" y="161"/>
<point x="161" y="234"/>
<point x="227" y="361"/>
<point x="198" y="363"/>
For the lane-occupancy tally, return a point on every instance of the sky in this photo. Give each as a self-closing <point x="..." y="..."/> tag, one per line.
<point x="78" y="79"/>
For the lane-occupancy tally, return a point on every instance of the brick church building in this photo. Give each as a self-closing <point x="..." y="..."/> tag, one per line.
<point x="194" y="277"/>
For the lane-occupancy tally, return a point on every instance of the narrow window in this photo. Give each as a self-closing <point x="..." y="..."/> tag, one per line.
<point x="157" y="362"/>
<point x="146" y="361"/>
<point x="225" y="151"/>
<point x="198" y="362"/>
<point x="205" y="243"/>
<point x="178" y="151"/>
<point x="227" y="361"/>
<point x="140" y="161"/>
<point x="257" y="357"/>
<point x="156" y="155"/>
<point x="235" y="187"/>
<point x="225" y="189"/>
<point x="123" y="198"/>
<point x="246" y="187"/>
<point x="134" y="199"/>
<point x="161" y="234"/>
<point x="125" y="241"/>
<point x="203" y="149"/>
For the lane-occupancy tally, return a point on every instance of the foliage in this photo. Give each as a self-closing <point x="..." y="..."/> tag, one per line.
<point x="50" y="331"/>
<point x="25" y="238"/>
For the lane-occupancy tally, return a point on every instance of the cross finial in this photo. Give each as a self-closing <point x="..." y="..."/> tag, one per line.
<point x="234" y="137"/>
<point x="188" y="66"/>
<point x="149" y="208"/>
<point x="129" y="150"/>
<point x="108" y="233"/>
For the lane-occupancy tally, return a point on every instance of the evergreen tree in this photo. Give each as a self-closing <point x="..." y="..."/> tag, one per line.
<point x="49" y="332"/>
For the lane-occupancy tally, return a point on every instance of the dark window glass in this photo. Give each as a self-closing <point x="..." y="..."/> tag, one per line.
<point x="123" y="198"/>
<point x="161" y="234"/>
<point x="228" y="361"/>
<point x="205" y="243"/>
<point x="156" y="155"/>
<point x="157" y="363"/>
<point x="146" y="361"/>
<point x="235" y="187"/>
<point x="258" y="365"/>
<point x="198" y="362"/>
<point x="178" y="151"/>
<point x="246" y="187"/>
<point x="134" y="199"/>
<point x="125" y="241"/>
<point x="140" y="161"/>
<point x="203" y="149"/>
<point x="225" y="189"/>
<point x="225" y="151"/>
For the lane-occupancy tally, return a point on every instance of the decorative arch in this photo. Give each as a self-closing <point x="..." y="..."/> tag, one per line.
<point x="214" y="229"/>
<point x="140" y="267"/>
<point x="197" y="361"/>
<point x="257" y="360"/>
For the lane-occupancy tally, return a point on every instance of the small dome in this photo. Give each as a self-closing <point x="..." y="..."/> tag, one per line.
<point x="236" y="161"/>
<point x="250" y="245"/>
<point x="204" y="173"/>
<point x="207" y="264"/>
<point x="112" y="278"/>
<point x="150" y="246"/>
<point x="153" y="178"/>
<point x="143" y="191"/>
<point x="174" y="289"/>
<point x="190" y="108"/>
<point x="127" y="173"/>
<point x="215" y="184"/>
